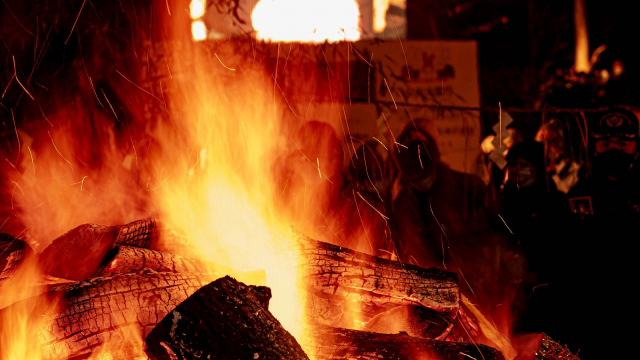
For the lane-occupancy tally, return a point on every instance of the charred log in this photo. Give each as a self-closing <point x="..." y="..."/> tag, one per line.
<point x="153" y="234"/>
<point x="95" y="311"/>
<point x="542" y="347"/>
<point x="12" y="253"/>
<point x="79" y="254"/>
<point x="126" y="259"/>
<point x="336" y="344"/>
<point x="224" y="320"/>
<point x="340" y="278"/>
<point x="417" y="321"/>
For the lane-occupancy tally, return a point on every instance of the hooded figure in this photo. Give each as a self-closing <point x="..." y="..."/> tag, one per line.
<point x="365" y="212"/>
<point x="439" y="219"/>
<point x="525" y="191"/>
<point x="310" y="180"/>
<point x="432" y="204"/>
<point x="531" y="206"/>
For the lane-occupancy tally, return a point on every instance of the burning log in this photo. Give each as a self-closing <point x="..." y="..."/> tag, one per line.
<point x="126" y="259"/>
<point x="416" y="321"/>
<point x="340" y="278"/>
<point x="100" y="310"/>
<point x="542" y="347"/>
<point x="79" y="254"/>
<point x="12" y="252"/>
<point x="224" y="320"/>
<point x="152" y="234"/>
<point x="336" y="343"/>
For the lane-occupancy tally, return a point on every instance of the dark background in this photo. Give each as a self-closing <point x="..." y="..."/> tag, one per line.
<point x="526" y="47"/>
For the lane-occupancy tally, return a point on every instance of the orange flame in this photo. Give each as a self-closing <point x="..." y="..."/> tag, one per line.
<point x="25" y="319"/>
<point x="209" y="167"/>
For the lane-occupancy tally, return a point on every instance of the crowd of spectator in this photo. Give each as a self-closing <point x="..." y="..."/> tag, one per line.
<point x="547" y="235"/>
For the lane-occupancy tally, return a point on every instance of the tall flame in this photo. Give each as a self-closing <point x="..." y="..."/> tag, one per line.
<point x="203" y="163"/>
<point x="217" y="186"/>
<point x="23" y="323"/>
<point x="307" y="20"/>
<point x="582" y="37"/>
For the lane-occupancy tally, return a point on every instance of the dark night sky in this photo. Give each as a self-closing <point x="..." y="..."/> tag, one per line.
<point x="515" y="55"/>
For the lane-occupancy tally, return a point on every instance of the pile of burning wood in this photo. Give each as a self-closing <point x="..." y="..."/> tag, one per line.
<point x="118" y="277"/>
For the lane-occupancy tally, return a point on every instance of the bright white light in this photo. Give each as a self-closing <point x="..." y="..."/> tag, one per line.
<point x="307" y="20"/>
<point x="198" y="30"/>
<point x="380" y="8"/>
<point x="197" y="8"/>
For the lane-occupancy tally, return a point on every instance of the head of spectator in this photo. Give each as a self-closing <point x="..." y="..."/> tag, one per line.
<point x="525" y="166"/>
<point x="615" y="143"/>
<point x="522" y="128"/>
<point x="417" y="158"/>
<point x="318" y="152"/>
<point x="367" y="168"/>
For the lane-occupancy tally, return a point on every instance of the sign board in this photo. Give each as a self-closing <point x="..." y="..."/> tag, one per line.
<point x="379" y="87"/>
<point x="432" y="73"/>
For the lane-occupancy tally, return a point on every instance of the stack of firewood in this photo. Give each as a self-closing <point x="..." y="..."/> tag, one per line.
<point x="119" y="277"/>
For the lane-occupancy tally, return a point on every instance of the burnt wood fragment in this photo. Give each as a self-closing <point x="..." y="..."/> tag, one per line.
<point x="338" y="344"/>
<point x="543" y="347"/>
<point x="109" y="309"/>
<point x="126" y="259"/>
<point x="339" y="278"/>
<point x="223" y="320"/>
<point x="13" y="251"/>
<point x="79" y="253"/>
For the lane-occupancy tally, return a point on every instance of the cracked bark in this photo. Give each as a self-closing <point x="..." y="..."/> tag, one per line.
<point x="339" y="278"/>
<point x="337" y="344"/>
<point x="126" y="259"/>
<point x="109" y="309"/>
<point x="13" y="251"/>
<point x="224" y="320"/>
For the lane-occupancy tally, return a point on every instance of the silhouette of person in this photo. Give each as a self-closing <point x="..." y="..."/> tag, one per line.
<point x="365" y="210"/>
<point x="310" y="181"/>
<point x="432" y="204"/>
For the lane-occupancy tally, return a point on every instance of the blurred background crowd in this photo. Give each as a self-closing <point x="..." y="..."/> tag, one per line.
<point x="548" y="233"/>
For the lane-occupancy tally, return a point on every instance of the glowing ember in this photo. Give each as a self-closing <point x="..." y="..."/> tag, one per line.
<point x="307" y="20"/>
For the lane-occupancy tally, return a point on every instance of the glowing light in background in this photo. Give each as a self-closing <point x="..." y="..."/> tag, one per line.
<point x="582" y="38"/>
<point x="380" y="8"/>
<point x="197" y="8"/>
<point x="198" y="30"/>
<point x="307" y="20"/>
